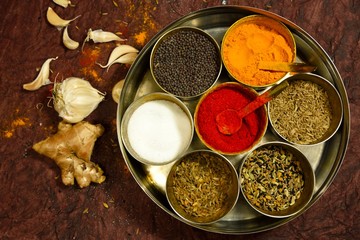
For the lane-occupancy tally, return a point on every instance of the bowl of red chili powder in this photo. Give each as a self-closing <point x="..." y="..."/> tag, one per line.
<point x="229" y="95"/>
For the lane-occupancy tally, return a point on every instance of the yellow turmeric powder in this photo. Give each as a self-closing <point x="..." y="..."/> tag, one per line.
<point x="14" y="124"/>
<point x="244" y="45"/>
<point x="143" y="32"/>
<point x="87" y="62"/>
<point x="141" y="38"/>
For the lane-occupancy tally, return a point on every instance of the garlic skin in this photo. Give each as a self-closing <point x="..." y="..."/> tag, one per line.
<point x="42" y="78"/>
<point x="100" y="36"/>
<point x="118" y="52"/>
<point x="116" y="91"/>
<point x="63" y="3"/>
<point x="127" y="58"/>
<point x="54" y="19"/>
<point x="75" y="98"/>
<point x="68" y="42"/>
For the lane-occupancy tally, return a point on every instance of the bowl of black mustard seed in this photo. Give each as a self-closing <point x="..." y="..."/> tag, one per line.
<point x="186" y="62"/>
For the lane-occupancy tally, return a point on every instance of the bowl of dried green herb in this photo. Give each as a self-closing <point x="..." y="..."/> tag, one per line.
<point x="202" y="187"/>
<point x="277" y="180"/>
<point x="308" y="112"/>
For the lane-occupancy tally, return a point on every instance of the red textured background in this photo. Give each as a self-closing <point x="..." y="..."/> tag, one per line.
<point x="34" y="204"/>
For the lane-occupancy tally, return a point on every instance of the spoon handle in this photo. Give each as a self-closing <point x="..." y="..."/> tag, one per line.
<point x="286" y="67"/>
<point x="263" y="98"/>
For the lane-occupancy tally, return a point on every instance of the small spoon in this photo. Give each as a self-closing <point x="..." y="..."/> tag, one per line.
<point x="229" y="121"/>
<point x="286" y="66"/>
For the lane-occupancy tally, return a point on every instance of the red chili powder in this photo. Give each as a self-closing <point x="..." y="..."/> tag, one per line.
<point x="89" y="57"/>
<point x="229" y="97"/>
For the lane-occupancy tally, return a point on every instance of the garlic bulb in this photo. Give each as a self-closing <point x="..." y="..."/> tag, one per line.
<point x="54" y="19"/>
<point x="42" y="78"/>
<point x="75" y="98"/>
<point x="68" y="42"/>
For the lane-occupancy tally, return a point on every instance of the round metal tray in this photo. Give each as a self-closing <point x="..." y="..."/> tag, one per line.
<point x="325" y="158"/>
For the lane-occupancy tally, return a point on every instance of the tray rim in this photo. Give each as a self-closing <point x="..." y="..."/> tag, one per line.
<point x="345" y="125"/>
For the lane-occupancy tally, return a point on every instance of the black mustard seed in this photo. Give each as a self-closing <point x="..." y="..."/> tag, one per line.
<point x="186" y="63"/>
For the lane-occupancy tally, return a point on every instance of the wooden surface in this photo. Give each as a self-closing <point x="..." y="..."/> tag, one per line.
<point x="34" y="204"/>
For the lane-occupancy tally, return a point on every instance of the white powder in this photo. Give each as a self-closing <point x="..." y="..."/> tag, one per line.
<point x="159" y="130"/>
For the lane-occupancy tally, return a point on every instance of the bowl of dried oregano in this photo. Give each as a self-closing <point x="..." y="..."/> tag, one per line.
<point x="277" y="180"/>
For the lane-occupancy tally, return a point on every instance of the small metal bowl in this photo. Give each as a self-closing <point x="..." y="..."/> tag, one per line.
<point x="202" y="187"/>
<point x="172" y="68"/>
<point x="334" y="100"/>
<point x="266" y="193"/>
<point x="208" y="120"/>
<point x="160" y="147"/>
<point x="230" y="64"/>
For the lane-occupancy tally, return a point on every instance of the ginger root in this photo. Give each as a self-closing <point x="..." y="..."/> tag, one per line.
<point x="71" y="148"/>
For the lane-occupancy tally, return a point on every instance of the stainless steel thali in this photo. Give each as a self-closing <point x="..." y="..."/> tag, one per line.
<point x="325" y="158"/>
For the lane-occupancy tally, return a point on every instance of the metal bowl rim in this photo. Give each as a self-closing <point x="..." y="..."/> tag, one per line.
<point x="235" y="85"/>
<point x="325" y="81"/>
<point x="249" y="18"/>
<point x="140" y="101"/>
<point x="304" y="159"/>
<point x="234" y="174"/>
<point x="169" y="33"/>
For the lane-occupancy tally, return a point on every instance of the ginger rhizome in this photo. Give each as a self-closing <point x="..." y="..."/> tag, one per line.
<point x="71" y="148"/>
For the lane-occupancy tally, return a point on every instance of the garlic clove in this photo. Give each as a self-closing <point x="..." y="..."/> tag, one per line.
<point x="54" y="19"/>
<point x="128" y="58"/>
<point x="118" y="52"/>
<point x="75" y="99"/>
<point x="116" y="91"/>
<point x="68" y="42"/>
<point x="100" y="36"/>
<point x="42" y="78"/>
<point x="63" y="3"/>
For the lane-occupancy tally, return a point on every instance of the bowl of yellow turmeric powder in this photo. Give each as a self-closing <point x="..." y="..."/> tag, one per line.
<point x="252" y="41"/>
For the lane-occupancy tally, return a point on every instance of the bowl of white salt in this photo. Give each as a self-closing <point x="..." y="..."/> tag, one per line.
<point x="157" y="129"/>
